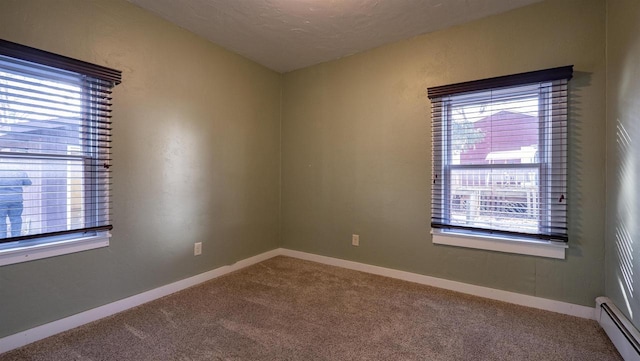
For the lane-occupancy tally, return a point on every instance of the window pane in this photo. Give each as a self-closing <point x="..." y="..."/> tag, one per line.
<point x="494" y="128"/>
<point x="41" y="196"/>
<point x="40" y="112"/>
<point x="41" y="190"/>
<point x="506" y="198"/>
<point x="489" y="131"/>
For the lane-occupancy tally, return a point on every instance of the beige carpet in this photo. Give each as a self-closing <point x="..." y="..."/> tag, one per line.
<point x="288" y="309"/>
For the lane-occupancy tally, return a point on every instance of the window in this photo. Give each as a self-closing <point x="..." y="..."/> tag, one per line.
<point x="499" y="158"/>
<point x="55" y="152"/>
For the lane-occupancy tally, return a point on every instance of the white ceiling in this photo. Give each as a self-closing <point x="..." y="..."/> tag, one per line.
<point x="285" y="35"/>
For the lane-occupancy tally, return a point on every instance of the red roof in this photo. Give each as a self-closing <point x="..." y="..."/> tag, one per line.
<point x="503" y="131"/>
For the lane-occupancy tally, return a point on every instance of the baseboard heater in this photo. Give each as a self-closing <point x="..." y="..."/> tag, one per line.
<point x="622" y="333"/>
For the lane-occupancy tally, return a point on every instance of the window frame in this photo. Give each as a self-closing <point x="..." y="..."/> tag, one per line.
<point x="95" y="80"/>
<point x="443" y="231"/>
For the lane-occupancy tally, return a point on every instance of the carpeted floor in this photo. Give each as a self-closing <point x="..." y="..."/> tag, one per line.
<point x="289" y="309"/>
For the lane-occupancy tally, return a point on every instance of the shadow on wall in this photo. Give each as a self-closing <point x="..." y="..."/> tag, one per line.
<point x="575" y="160"/>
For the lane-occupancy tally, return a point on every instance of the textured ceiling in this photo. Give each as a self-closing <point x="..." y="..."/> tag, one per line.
<point x="285" y="35"/>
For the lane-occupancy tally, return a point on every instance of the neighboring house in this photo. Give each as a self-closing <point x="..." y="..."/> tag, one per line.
<point x="515" y="140"/>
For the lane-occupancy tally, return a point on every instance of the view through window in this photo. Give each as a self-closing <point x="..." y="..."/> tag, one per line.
<point x="41" y="163"/>
<point x="494" y="164"/>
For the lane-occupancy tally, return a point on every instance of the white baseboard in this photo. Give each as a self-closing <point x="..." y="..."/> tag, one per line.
<point x="486" y="292"/>
<point x="23" y="338"/>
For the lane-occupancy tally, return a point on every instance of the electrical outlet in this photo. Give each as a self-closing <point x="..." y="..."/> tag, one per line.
<point x="355" y="240"/>
<point x="197" y="248"/>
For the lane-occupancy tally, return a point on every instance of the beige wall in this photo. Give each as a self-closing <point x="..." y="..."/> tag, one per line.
<point x="196" y="157"/>
<point x="623" y="162"/>
<point x="356" y="149"/>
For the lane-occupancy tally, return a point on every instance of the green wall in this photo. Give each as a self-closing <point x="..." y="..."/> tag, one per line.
<point x="196" y="158"/>
<point x="356" y="149"/>
<point x="623" y="162"/>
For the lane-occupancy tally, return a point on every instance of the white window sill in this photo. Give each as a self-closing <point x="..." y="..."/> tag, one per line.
<point x="501" y="244"/>
<point x="12" y="255"/>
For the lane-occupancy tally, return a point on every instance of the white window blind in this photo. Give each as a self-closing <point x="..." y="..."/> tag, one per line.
<point x="499" y="149"/>
<point x="55" y="145"/>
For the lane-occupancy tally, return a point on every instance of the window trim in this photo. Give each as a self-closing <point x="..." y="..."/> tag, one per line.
<point x="44" y="245"/>
<point x="45" y="249"/>
<point x="517" y="245"/>
<point x="545" y="245"/>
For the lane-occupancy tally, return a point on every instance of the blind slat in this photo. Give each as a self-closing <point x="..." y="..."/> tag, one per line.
<point x="499" y="163"/>
<point x="55" y="155"/>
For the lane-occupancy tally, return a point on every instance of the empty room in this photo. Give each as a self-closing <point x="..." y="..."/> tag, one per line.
<point x="319" y="179"/>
